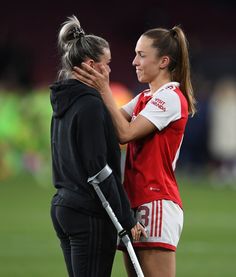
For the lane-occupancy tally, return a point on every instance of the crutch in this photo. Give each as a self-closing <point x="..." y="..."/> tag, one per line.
<point x="94" y="181"/>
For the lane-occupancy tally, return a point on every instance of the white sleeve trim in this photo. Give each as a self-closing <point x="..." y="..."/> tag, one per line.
<point x="129" y="107"/>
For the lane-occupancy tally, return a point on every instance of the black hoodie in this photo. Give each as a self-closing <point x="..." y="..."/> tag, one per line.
<point x="83" y="141"/>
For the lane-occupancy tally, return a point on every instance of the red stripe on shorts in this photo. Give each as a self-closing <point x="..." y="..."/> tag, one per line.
<point x="156" y="218"/>
<point x="160" y="218"/>
<point x="152" y="222"/>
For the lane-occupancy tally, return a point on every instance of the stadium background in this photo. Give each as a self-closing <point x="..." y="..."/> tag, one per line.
<point x="207" y="164"/>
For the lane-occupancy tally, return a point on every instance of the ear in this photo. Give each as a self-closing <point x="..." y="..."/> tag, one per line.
<point x="90" y="62"/>
<point x="165" y="60"/>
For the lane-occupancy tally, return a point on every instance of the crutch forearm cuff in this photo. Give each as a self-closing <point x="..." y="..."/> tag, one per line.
<point x="101" y="175"/>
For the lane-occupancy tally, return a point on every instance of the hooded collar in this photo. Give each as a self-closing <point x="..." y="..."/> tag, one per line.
<point x="65" y="93"/>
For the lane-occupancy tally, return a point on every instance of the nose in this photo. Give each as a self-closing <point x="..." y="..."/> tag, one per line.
<point x="108" y="69"/>
<point x="134" y="63"/>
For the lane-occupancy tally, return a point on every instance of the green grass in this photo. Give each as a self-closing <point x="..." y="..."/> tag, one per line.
<point x="208" y="243"/>
<point x="29" y="247"/>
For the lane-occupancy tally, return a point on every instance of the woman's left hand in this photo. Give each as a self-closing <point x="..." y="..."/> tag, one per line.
<point x="137" y="231"/>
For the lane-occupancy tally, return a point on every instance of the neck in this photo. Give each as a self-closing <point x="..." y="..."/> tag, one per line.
<point x="154" y="86"/>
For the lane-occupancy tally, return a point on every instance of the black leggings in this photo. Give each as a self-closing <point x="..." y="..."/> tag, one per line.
<point x="88" y="243"/>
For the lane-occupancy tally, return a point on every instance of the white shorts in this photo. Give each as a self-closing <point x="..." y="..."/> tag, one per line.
<point x="164" y="222"/>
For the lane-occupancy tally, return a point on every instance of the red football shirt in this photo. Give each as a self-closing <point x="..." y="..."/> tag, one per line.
<point x="150" y="161"/>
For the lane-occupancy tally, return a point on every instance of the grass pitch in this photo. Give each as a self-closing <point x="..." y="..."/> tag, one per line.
<point x="29" y="247"/>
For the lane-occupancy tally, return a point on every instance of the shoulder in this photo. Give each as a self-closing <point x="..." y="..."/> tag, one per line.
<point x="167" y="92"/>
<point x="90" y="101"/>
<point x="173" y="92"/>
<point x="167" y="98"/>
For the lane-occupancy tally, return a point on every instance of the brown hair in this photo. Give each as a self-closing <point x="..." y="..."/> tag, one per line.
<point x="174" y="44"/>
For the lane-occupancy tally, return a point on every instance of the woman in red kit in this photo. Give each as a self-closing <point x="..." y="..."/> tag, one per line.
<point x="153" y="125"/>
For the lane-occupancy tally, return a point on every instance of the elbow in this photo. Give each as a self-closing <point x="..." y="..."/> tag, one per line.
<point x="122" y="142"/>
<point x="125" y="135"/>
<point x="123" y="139"/>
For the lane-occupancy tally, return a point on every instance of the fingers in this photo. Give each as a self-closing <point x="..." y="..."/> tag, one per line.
<point x="83" y="76"/>
<point x="101" y="71"/>
<point x="92" y="74"/>
<point x="137" y="231"/>
<point x="89" y="70"/>
<point x="104" y="72"/>
<point x="86" y="73"/>
<point x="92" y="77"/>
<point x="143" y="230"/>
<point x="133" y="233"/>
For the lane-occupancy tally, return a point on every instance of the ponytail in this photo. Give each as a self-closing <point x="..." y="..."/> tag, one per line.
<point x="173" y="43"/>
<point x="181" y="73"/>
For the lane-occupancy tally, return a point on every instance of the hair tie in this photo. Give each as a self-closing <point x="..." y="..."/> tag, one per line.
<point x="78" y="32"/>
<point x="172" y="32"/>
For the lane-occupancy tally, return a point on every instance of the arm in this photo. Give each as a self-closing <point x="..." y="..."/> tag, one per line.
<point x="126" y="130"/>
<point x="93" y="153"/>
<point x="125" y="115"/>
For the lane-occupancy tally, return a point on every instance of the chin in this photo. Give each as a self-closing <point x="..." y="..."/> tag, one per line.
<point x="142" y="80"/>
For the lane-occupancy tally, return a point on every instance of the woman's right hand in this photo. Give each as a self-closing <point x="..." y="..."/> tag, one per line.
<point x="137" y="231"/>
<point x="93" y="78"/>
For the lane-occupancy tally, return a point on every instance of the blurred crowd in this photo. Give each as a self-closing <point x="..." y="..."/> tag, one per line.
<point x="210" y="141"/>
<point x="209" y="145"/>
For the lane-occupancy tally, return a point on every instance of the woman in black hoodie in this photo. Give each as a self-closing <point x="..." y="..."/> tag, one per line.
<point x="83" y="144"/>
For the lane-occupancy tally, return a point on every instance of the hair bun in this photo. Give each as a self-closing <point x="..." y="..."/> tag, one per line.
<point x="78" y="32"/>
<point x="70" y="31"/>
